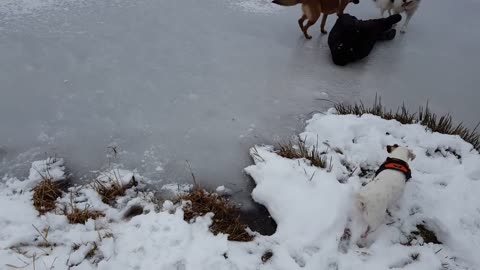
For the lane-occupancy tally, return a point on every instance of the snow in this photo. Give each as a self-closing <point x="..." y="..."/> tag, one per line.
<point x="81" y="75"/>
<point x="223" y="191"/>
<point x="444" y="199"/>
<point x="51" y="168"/>
<point x="120" y="176"/>
<point x="310" y="205"/>
<point x="257" y="6"/>
<point x="177" y="189"/>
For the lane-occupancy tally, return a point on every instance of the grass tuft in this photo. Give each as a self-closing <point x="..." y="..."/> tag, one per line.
<point x="297" y="149"/>
<point x="110" y="191"/>
<point x="45" y="194"/>
<point x="76" y="215"/>
<point x="80" y="216"/>
<point x="424" y="116"/>
<point x="226" y="217"/>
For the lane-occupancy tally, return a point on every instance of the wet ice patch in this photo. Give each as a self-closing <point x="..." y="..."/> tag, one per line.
<point x="256" y="6"/>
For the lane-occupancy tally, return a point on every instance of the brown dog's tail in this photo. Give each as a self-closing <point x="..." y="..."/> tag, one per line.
<point x="287" y="3"/>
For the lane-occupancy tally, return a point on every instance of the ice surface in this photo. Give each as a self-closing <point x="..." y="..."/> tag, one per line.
<point x="169" y="81"/>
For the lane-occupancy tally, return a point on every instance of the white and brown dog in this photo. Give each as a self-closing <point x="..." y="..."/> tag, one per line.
<point x="385" y="189"/>
<point x="398" y="6"/>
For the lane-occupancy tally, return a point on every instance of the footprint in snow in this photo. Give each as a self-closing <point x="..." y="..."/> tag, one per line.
<point x="299" y="260"/>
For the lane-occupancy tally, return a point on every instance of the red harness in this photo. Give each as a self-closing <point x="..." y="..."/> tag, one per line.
<point x="397" y="165"/>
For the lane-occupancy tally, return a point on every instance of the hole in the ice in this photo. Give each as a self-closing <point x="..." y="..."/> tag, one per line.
<point x="259" y="220"/>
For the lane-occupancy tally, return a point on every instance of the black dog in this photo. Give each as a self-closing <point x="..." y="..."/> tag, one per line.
<point x="352" y="39"/>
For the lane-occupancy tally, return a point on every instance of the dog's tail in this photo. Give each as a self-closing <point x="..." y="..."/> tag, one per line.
<point x="287" y="3"/>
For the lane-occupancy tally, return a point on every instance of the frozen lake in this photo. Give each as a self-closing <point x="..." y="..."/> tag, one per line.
<point x="170" y="81"/>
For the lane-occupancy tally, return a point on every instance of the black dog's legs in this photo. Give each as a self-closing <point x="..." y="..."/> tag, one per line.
<point x="381" y="29"/>
<point x="387" y="35"/>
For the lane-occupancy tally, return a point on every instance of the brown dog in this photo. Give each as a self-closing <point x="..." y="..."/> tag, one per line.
<point x="312" y="10"/>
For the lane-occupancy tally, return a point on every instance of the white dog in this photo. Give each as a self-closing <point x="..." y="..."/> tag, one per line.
<point x="398" y="6"/>
<point x="385" y="189"/>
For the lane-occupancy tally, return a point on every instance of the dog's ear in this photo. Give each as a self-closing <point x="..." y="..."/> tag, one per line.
<point x="390" y="148"/>
<point x="411" y="155"/>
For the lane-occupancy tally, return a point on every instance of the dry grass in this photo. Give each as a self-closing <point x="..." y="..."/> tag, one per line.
<point x="92" y="251"/>
<point x="226" y="217"/>
<point x="443" y="124"/>
<point x="45" y="194"/>
<point x="80" y="216"/>
<point x="114" y="189"/>
<point x="76" y="215"/>
<point x="297" y="149"/>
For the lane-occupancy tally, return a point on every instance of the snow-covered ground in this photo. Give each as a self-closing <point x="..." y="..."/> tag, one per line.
<point x="169" y="81"/>
<point x="310" y="205"/>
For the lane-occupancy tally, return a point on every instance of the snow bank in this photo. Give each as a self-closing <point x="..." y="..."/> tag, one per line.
<point x="310" y="205"/>
<point x="160" y="238"/>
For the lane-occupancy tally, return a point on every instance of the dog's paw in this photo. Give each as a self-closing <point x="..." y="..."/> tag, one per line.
<point x="344" y="242"/>
<point x="324" y="32"/>
<point x="362" y="242"/>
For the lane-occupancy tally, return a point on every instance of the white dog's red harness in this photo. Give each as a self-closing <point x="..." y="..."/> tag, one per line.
<point x="397" y="165"/>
